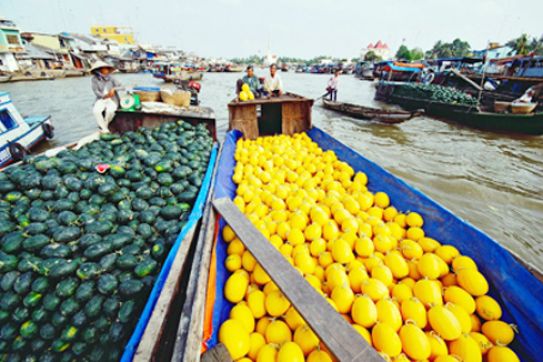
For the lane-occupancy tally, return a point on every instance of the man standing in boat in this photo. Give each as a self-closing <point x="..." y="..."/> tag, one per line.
<point x="105" y="89"/>
<point x="273" y="84"/>
<point x="332" y="85"/>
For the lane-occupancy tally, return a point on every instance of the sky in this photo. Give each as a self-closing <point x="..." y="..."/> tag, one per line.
<point x="297" y="28"/>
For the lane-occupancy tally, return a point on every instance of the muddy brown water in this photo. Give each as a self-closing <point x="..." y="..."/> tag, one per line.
<point x="494" y="181"/>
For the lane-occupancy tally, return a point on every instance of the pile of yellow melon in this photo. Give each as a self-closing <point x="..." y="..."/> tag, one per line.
<point x="408" y="295"/>
<point x="246" y="94"/>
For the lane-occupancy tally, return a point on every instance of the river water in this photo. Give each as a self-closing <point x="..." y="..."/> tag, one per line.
<point x="493" y="181"/>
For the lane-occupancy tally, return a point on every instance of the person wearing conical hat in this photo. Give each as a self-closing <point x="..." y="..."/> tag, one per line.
<point x="105" y="89"/>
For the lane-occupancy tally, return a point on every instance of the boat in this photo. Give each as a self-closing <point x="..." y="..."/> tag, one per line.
<point x="150" y="333"/>
<point x="390" y="116"/>
<point x="4" y="78"/>
<point x="517" y="286"/>
<point x="170" y="72"/>
<point x="18" y="134"/>
<point x="183" y="76"/>
<point x="471" y="116"/>
<point x="31" y="76"/>
<point x="397" y="71"/>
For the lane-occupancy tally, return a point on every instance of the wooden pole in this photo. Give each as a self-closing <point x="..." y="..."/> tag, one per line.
<point x="343" y="341"/>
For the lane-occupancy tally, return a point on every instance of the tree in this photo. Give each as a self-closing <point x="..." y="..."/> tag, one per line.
<point x="372" y="57"/>
<point x="403" y="53"/>
<point x="417" y="54"/>
<point x="525" y="45"/>
<point x="458" y="48"/>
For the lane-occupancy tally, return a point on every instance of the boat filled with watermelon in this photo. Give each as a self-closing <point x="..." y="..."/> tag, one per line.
<point x="88" y="235"/>
<point x="457" y="106"/>
<point x="414" y="280"/>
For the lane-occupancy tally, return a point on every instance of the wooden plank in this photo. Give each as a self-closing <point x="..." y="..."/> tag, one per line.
<point x="150" y="341"/>
<point x="217" y="354"/>
<point x="335" y="332"/>
<point x="285" y="98"/>
<point x="466" y="79"/>
<point x="244" y="119"/>
<point x="191" y="324"/>
<point x="188" y="340"/>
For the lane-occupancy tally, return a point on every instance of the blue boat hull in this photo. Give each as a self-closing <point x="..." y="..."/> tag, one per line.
<point x="518" y="291"/>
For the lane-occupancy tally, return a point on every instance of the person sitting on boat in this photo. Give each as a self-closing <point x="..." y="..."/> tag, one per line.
<point x="428" y="76"/>
<point x="105" y="88"/>
<point x="252" y="81"/>
<point x="333" y="85"/>
<point x="273" y="84"/>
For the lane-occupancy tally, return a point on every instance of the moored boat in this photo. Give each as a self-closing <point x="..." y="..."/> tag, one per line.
<point x="517" y="289"/>
<point x="390" y="116"/>
<point x="468" y="115"/>
<point x="143" y="327"/>
<point x="183" y="76"/>
<point x="18" y="134"/>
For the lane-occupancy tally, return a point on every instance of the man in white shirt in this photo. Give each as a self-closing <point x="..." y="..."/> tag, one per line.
<point x="273" y="84"/>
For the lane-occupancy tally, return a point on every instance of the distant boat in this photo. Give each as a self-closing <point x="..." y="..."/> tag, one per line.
<point x="471" y="116"/>
<point x="373" y="114"/>
<point x="19" y="134"/>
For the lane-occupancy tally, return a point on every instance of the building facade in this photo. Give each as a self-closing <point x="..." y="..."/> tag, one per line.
<point x="119" y="34"/>
<point x="380" y="49"/>
<point x="10" y="45"/>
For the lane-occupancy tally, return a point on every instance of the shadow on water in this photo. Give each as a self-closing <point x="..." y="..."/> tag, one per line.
<point x="492" y="180"/>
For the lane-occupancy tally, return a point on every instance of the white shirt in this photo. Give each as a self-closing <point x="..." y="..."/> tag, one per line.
<point x="333" y="82"/>
<point x="273" y="84"/>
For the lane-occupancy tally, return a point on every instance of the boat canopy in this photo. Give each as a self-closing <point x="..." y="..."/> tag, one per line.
<point x="400" y="66"/>
<point x="469" y="60"/>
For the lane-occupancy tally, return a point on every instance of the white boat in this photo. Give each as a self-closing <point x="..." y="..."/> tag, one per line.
<point x="19" y="134"/>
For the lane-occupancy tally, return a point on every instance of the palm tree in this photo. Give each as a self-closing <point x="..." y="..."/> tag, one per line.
<point x="520" y="45"/>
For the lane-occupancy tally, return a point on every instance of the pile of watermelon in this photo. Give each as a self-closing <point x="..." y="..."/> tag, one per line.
<point x="434" y="92"/>
<point x="84" y="234"/>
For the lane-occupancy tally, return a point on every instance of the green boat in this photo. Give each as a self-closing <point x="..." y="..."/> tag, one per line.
<point x="467" y="115"/>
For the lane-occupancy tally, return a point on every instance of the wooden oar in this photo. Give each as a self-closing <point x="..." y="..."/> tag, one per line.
<point x="324" y="95"/>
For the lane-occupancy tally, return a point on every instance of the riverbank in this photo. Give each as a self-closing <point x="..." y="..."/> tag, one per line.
<point x="491" y="180"/>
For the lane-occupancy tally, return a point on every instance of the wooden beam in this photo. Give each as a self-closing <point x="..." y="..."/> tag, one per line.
<point x="189" y="332"/>
<point x="343" y="341"/>
<point x="217" y="354"/>
<point x="152" y="336"/>
<point x="466" y="79"/>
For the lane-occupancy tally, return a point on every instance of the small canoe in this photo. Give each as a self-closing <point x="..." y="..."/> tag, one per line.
<point x="374" y="114"/>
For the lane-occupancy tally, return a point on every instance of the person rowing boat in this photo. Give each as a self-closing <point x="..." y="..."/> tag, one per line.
<point x="333" y="85"/>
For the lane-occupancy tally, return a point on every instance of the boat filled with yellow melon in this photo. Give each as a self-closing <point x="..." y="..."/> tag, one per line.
<point x="414" y="280"/>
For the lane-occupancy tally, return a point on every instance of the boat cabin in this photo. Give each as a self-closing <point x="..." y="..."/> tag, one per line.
<point x="287" y="114"/>
<point x="19" y="134"/>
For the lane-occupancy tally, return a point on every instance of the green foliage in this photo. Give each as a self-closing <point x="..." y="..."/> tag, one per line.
<point x="458" y="48"/>
<point x="404" y="53"/>
<point x="525" y="44"/>
<point x="372" y="57"/>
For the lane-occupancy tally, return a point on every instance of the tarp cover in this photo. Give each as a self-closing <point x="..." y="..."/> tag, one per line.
<point x="195" y="215"/>
<point x="519" y="293"/>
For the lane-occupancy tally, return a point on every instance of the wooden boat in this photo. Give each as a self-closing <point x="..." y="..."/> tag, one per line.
<point x="372" y="114"/>
<point x="159" y="316"/>
<point x="467" y="115"/>
<point x="183" y="76"/>
<point x="516" y="286"/>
